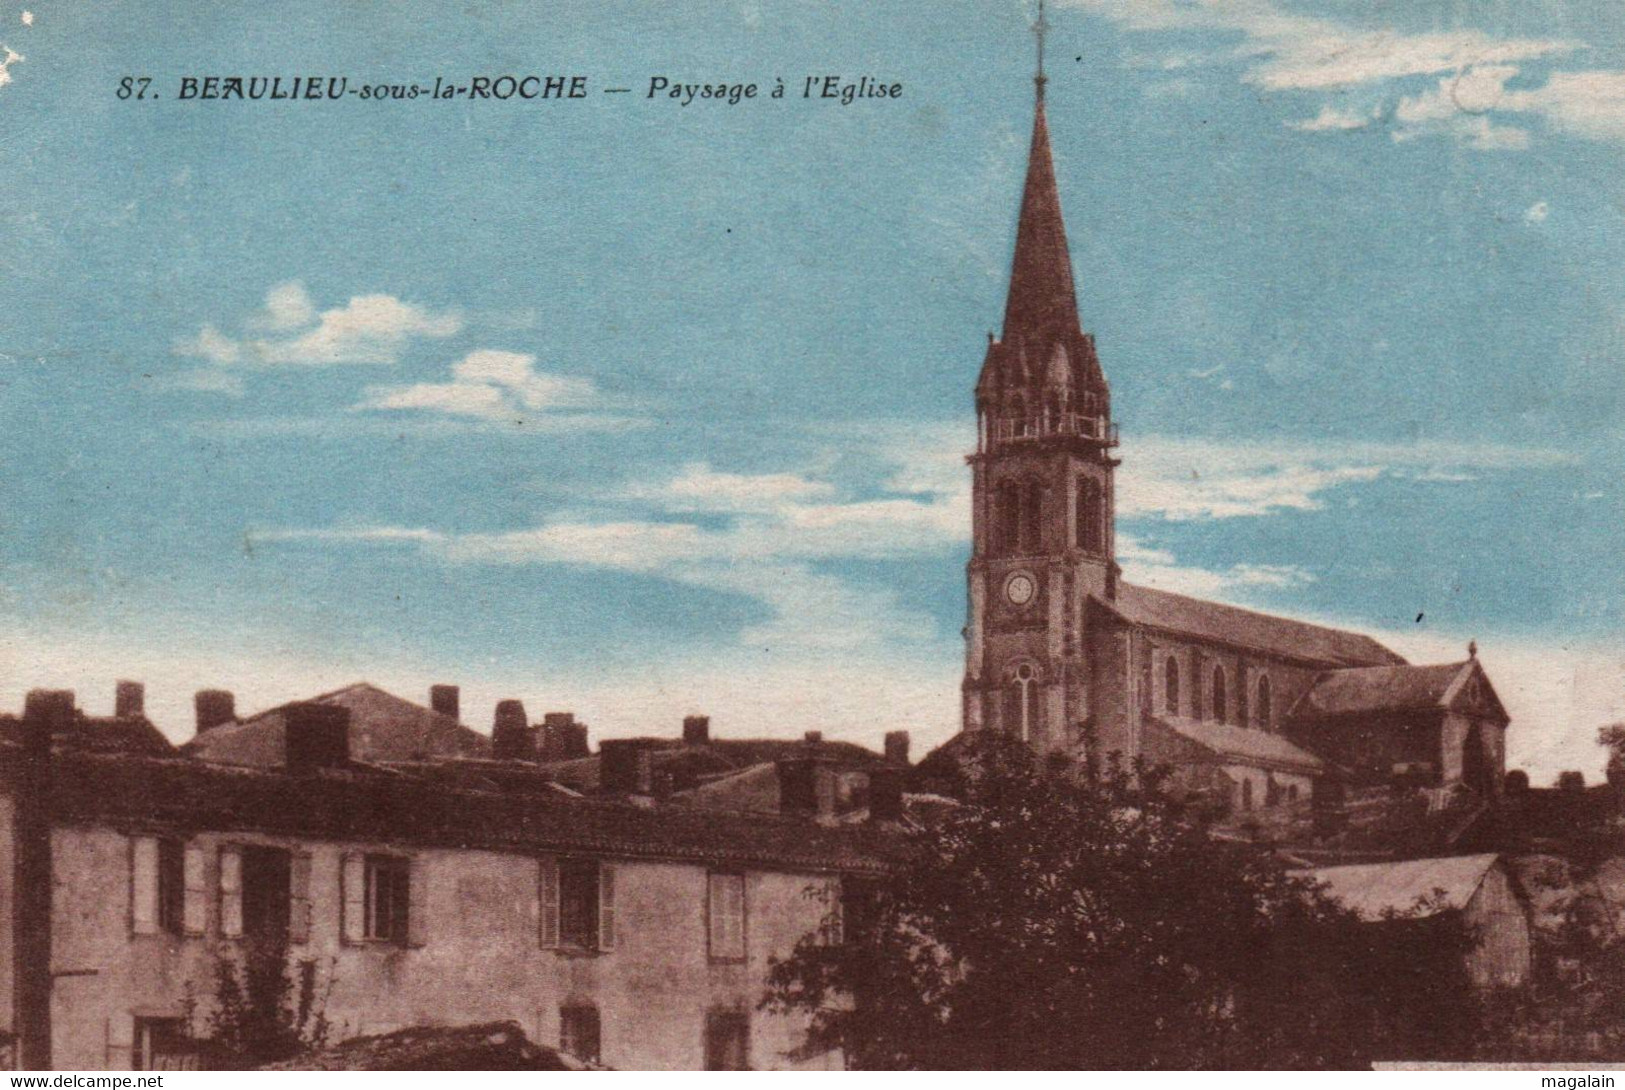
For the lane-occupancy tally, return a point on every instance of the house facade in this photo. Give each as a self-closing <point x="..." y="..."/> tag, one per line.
<point x="622" y="929"/>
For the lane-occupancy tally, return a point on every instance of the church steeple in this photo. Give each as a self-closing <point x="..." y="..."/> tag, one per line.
<point x="1042" y="486"/>
<point x="1042" y="304"/>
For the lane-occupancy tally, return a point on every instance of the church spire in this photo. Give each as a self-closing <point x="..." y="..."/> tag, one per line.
<point x="1042" y="303"/>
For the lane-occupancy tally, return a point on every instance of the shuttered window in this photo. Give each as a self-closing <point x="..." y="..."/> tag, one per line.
<point x="195" y="898"/>
<point x="231" y="891"/>
<point x="575" y="901"/>
<point x="144" y="885"/>
<point x="299" y="907"/>
<point x="725" y="909"/>
<point x="606" y="906"/>
<point x="547" y="897"/>
<point x="353" y="897"/>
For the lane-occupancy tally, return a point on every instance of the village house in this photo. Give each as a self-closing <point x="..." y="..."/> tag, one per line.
<point x="625" y="929"/>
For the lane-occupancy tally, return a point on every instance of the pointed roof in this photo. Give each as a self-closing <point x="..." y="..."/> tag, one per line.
<point x="383" y="727"/>
<point x="1376" y="689"/>
<point x="1042" y="299"/>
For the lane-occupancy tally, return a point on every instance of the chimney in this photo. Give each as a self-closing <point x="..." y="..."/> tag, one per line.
<point x="807" y="788"/>
<point x="813" y="737"/>
<point x="696" y="730"/>
<point x="626" y="766"/>
<point x="897" y="747"/>
<point x="511" y="736"/>
<point x="129" y="700"/>
<point x="214" y="707"/>
<point x="447" y="700"/>
<point x="886" y="794"/>
<point x="46" y="712"/>
<point x="563" y="739"/>
<point x="316" y="736"/>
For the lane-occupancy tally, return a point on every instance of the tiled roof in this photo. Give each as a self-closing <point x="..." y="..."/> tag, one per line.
<point x="1244" y="744"/>
<point x="691" y="764"/>
<point x="1245" y="628"/>
<point x="367" y="803"/>
<point x="383" y="727"/>
<point x="1375" y="889"/>
<point x="100" y="734"/>
<point x="1380" y="689"/>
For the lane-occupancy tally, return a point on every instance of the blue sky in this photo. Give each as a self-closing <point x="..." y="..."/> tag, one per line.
<point x="643" y="409"/>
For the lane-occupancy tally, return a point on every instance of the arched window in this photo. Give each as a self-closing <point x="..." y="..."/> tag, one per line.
<point x="1006" y="518"/>
<point x="1262" y="702"/>
<point x="1021" y="702"/>
<point x="1170" y="681"/>
<point x="1217" y="704"/>
<point x="1032" y="519"/>
<point x="1090" y="530"/>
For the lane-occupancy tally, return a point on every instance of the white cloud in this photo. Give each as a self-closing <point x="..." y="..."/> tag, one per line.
<point x="28" y="18"/>
<point x="697" y="487"/>
<point x="1149" y="566"/>
<point x="487" y="384"/>
<point x="369" y="329"/>
<point x="210" y="380"/>
<point x="10" y="58"/>
<point x="1537" y="212"/>
<point x="1286" y="51"/>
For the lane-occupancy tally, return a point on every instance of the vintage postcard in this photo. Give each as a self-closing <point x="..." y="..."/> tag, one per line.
<point x="932" y="534"/>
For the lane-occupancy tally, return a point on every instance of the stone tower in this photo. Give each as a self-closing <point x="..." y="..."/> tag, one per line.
<point x="1042" y="490"/>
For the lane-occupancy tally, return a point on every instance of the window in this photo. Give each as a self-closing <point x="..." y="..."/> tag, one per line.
<point x="162" y="1044"/>
<point x="1090" y="532"/>
<point x="1020" y="702"/>
<point x="727" y="1041"/>
<point x="1032" y="518"/>
<point x="388" y="898"/>
<point x="577" y="903"/>
<point x="725" y="916"/>
<point x="1218" y="703"/>
<point x="1006" y="519"/>
<point x="579" y="1032"/>
<point x="166" y="886"/>
<point x="1262" y="702"/>
<point x="859" y="909"/>
<point x="383" y="900"/>
<point x="1170" y="680"/>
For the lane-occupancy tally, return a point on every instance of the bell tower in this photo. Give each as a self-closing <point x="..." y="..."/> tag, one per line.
<point x="1042" y="487"/>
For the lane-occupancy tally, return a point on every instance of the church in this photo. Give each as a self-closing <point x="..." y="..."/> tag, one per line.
<point x="1067" y="656"/>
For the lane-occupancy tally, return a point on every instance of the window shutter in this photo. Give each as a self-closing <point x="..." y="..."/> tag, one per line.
<point x="727" y="915"/>
<point x="606" y="906"/>
<point x="299" y="898"/>
<point x="231" y="892"/>
<point x="195" y="907"/>
<point x="353" y="894"/>
<point x="547" y="888"/>
<point x="143" y="885"/>
<point x="417" y="910"/>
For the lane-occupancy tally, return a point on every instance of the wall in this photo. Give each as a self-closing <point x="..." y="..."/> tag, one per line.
<point x="1502" y="958"/>
<point x="481" y="960"/>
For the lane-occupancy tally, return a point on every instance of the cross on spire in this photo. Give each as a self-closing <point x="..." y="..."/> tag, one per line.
<point x="1038" y="33"/>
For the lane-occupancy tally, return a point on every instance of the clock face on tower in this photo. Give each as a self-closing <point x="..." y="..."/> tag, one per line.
<point x="1019" y="589"/>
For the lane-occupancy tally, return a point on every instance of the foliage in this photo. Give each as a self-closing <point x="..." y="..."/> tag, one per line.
<point x="1089" y="920"/>
<point x="268" y="1008"/>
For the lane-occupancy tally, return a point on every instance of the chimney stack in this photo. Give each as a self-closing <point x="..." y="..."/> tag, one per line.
<point x="563" y="739"/>
<point x="129" y="700"/>
<point x="813" y="737"/>
<point x="626" y="766"/>
<point x="897" y="747"/>
<point x="447" y="700"/>
<point x="511" y="736"/>
<point x="214" y="707"/>
<point x="886" y="794"/>
<point x="696" y="730"/>
<point x="807" y="788"/>
<point x="316" y="736"/>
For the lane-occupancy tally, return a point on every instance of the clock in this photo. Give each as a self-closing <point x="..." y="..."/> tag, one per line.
<point x="1020" y="588"/>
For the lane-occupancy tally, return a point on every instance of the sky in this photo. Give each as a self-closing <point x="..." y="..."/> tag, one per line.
<point x="643" y="409"/>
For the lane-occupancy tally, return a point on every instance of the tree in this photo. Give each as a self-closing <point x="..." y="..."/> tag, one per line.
<point x="1612" y="738"/>
<point x="268" y="1008"/>
<point x="1090" y="920"/>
